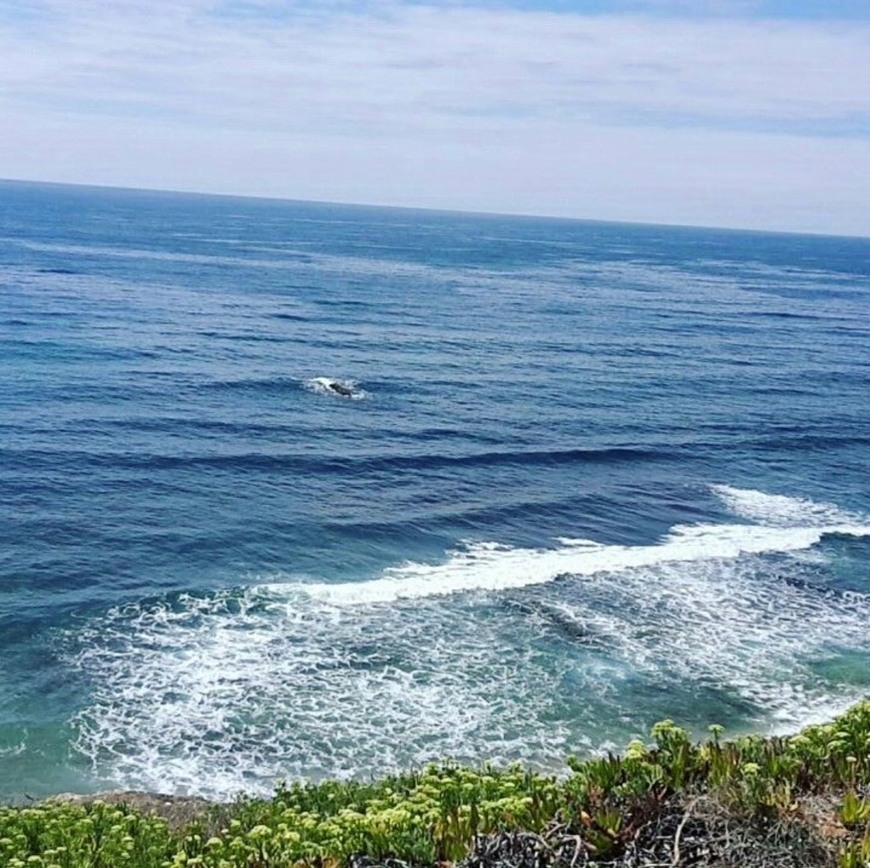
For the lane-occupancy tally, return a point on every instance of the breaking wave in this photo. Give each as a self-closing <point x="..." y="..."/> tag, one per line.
<point x="500" y="653"/>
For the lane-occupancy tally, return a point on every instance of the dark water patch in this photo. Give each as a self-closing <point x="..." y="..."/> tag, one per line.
<point x="644" y="352"/>
<point x="47" y="313"/>
<point x="58" y="271"/>
<point x="435" y="435"/>
<point x="269" y="384"/>
<point x="335" y="464"/>
<point x="45" y="350"/>
<point x="546" y="512"/>
<point x="528" y="524"/>
<point x="559" y="621"/>
<point x="824" y="587"/>
<point x="176" y="426"/>
<point x="290" y="317"/>
<point x="852" y="330"/>
<point x="51" y="583"/>
<point x="350" y="303"/>
<point x="784" y="315"/>
<point x="700" y="703"/>
<point x="798" y="389"/>
<point x="812" y="442"/>
<point x="243" y="337"/>
<point x="844" y="666"/>
<point x="163" y="349"/>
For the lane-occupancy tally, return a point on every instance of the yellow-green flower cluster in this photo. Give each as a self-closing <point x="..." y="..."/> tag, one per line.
<point x="69" y="836"/>
<point x="423" y="817"/>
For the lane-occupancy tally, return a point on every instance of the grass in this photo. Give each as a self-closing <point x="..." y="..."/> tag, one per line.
<point x="797" y="801"/>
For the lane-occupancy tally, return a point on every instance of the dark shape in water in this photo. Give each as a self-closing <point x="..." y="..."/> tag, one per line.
<point x="340" y="389"/>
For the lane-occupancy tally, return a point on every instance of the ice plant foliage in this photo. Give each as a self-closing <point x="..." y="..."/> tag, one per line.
<point x="671" y="799"/>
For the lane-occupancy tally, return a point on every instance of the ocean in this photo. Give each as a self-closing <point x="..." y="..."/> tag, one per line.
<point x="294" y="490"/>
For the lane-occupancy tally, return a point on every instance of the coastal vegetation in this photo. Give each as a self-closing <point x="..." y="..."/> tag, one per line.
<point x="802" y="800"/>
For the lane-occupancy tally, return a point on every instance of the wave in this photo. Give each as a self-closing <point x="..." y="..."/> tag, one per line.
<point x="242" y="337"/>
<point x="804" y="443"/>
<point x="267" y="384"/>
<point x="500" y="652"/>
<point x="789" y="525"/>
<point x="335" y="464"/>
<point x="779" y="511"/>
<point x="291" y="317"/>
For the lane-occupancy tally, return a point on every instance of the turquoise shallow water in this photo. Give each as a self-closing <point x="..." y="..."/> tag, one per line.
<point x="588" y="476"/>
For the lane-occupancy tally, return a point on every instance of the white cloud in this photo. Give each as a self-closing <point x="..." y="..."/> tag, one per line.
<point x="721" y="121"/>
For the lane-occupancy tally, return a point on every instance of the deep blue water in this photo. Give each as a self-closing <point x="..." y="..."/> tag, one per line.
<point x="590" y="475"/>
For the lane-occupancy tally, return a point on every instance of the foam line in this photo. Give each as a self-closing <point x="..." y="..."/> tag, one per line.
<point x="490" y="567"/>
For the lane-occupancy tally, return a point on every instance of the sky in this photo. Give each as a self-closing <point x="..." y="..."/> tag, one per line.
<point x="737" y="113"/>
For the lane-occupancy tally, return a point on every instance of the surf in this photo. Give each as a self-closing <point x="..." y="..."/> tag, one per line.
<point x="784" y="524"/>
<point x="470" y="657"/>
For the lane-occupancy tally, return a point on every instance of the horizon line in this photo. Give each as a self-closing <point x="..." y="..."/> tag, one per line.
<point x="425" y="209"/>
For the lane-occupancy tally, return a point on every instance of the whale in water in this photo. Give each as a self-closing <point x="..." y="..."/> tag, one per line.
<point x="332" y="386"/>
<point x="339" y="389"/>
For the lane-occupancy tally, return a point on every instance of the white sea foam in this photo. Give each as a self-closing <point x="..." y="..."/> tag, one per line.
<point x="329" y="386"/>
<point x="777" y="510"/>
<point x="15" y="749"/>
<point x="480" y="656"/>
<point x="491" y="567"/>
<point x="733" y="624"/>
<point x="228" y="693"/>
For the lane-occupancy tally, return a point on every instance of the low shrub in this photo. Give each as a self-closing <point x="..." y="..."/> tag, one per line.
<point x="801" y="801"/>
